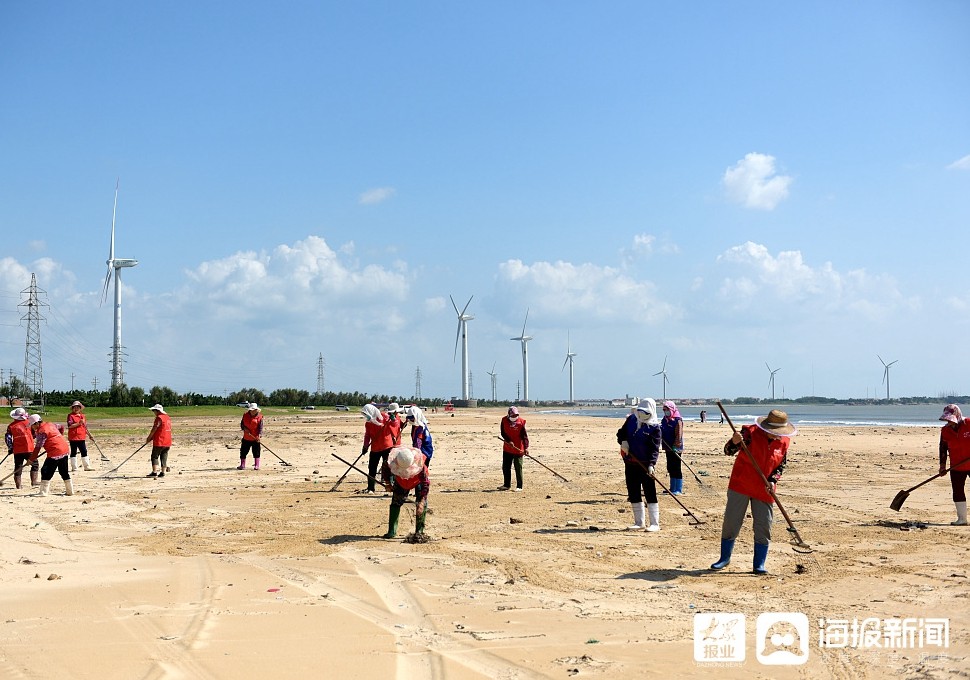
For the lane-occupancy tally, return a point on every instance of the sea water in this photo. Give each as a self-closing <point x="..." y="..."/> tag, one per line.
<point x="828" y="415"/>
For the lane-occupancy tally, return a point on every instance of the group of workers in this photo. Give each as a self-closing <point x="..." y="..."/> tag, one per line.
<point x="759" y="449"/>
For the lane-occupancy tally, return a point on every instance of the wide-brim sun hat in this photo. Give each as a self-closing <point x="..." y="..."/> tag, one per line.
<point x="77" y="403"/>
<point x="158" y="407"/>
<point x="394" y="407"/>
<point x="34" y="418"/>
<point x="776" y="423"/>
<point x="18" y="414"/>
<point x="951" y="414"/>
<point x="253" y="406"/>
<point x="405" y="462"/>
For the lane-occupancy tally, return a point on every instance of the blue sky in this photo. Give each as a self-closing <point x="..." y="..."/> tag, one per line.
<point x="722" y="184"/>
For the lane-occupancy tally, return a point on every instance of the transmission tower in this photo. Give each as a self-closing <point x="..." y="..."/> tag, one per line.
<point x="320" y="365"/>
<point x="33" y="366"/>
<point x="417" y="385"/>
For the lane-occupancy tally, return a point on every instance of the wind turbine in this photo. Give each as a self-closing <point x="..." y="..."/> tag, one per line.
<point x="663" y="372"/>
<point x="885" y="373"/>
<point x="116" y="264"/>
<point x="569" y="359"/>
<point x="494" y="376"/>
<point x="771" y="379"/>
<point x="524" y="339"/>
<point x="462" y="334"/>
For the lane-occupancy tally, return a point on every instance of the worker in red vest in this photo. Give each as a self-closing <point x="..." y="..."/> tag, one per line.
<point x="252" y="427"/>
<point x="20" y="442"/>
<point x="50" y="439"/>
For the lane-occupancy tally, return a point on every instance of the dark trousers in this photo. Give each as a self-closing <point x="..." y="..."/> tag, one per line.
<point x="79" y="446"/>
<point x="247" y="444"/>
<point x="958" y="481"/>
<point x="51" y="464"/>
<point x="673" y="464"/>
<point x="378" y="459"/>
<point x="508" y="461"/>
<point x="160" y="456"/>
<point x="638" y="480"/>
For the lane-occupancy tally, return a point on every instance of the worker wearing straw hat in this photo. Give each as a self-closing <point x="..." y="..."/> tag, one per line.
<point x="251" y="425"/>
<point x="77" y="435"/>
<point x="767" y="440"/>
<point x="408" y="470"/>
<point x="161" y="440"/>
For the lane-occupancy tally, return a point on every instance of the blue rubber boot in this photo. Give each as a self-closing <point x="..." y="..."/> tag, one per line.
<point x="760" y="555"/>
<point x="677" y="486"/>
<point x="727" y="547"/>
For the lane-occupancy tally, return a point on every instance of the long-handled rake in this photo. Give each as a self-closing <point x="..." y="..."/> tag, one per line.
<point x="274" y="453"/>
<point x="696" y="519"/>
<point x="799" y="545"/>
<point x="528" y="455"/>
<point x="904" y="494"/>
<point x="387" y="487"/>
<point x="104" y="458"/>
<point x="125" y="460"/>
<point x="347" y="471"/>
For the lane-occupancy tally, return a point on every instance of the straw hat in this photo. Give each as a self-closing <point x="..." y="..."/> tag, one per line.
<point x="405" y="462"/>
<point x="776" y="423"/>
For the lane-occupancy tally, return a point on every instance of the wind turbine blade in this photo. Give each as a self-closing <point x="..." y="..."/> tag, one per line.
<point x="114" y="214"/>
<point x="664" y="366"/>
<point x="454" y="305"/>
<point x="564" y="364"/>
<point x="880" y="360"/>
<point x="457" y="337"/>
<point x="466" y="305"/>
<point x="104" y="290"/>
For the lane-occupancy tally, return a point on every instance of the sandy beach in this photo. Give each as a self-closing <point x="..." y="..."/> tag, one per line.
<point x="213" y="573"/>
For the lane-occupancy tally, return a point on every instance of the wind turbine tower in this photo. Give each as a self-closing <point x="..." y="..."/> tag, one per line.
<point x="771" y="379"/>
<point x="524" y="339"/>
<point x="665" y="380"/>
<point x="116" y="264"/>
<point x="462" y="335"/>
<point x="494" y="376"/>
<point x="569" y="359"/>
<point x="885" y="373"/>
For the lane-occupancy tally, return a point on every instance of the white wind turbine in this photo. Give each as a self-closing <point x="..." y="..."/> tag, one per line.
<point x="569" y="359"/>
<point x="885" y="373"/>
<point x="771" y="379"/>
<point x="116" y="264"/>
<point x="462" y="334"/>
<point x="524" y="339"/>
<point x="494" y="376"/>
<point x="665" y="380"/>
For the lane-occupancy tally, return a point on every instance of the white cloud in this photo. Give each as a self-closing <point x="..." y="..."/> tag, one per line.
<point x="643" y="244"/>
<point x="754" y="183"/>
<point x="566" y="291"/>
<point x="961" y="164"/>
<point x="378" y="195"/>
<point x="786" y="282"/>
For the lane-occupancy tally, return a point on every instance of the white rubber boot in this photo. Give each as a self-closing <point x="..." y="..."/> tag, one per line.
<point x="961" y="514"/>
<point x="654" y="511"/>
<point x="85" y="464"/>
<point x="68" y="487"/>
<point x="637" y="516"/>
<point x="45" y="487"/>
<point x="73" y="464"/>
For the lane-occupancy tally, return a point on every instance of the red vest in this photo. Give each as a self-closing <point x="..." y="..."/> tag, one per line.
<point x="54" y="442"/>
<point x="388" y="437"/>
<point x="23" y="437"/>
<point x="958" y="445"/>
<point x="512" y="430"/>
<point x="251" y="426"/>
<point x="163" y="430"/>
<point x="79" y="433"/>
<point x="770" y="453"/>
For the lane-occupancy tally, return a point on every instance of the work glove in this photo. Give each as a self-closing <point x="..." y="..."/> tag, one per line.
<point x="650" y="470"/>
